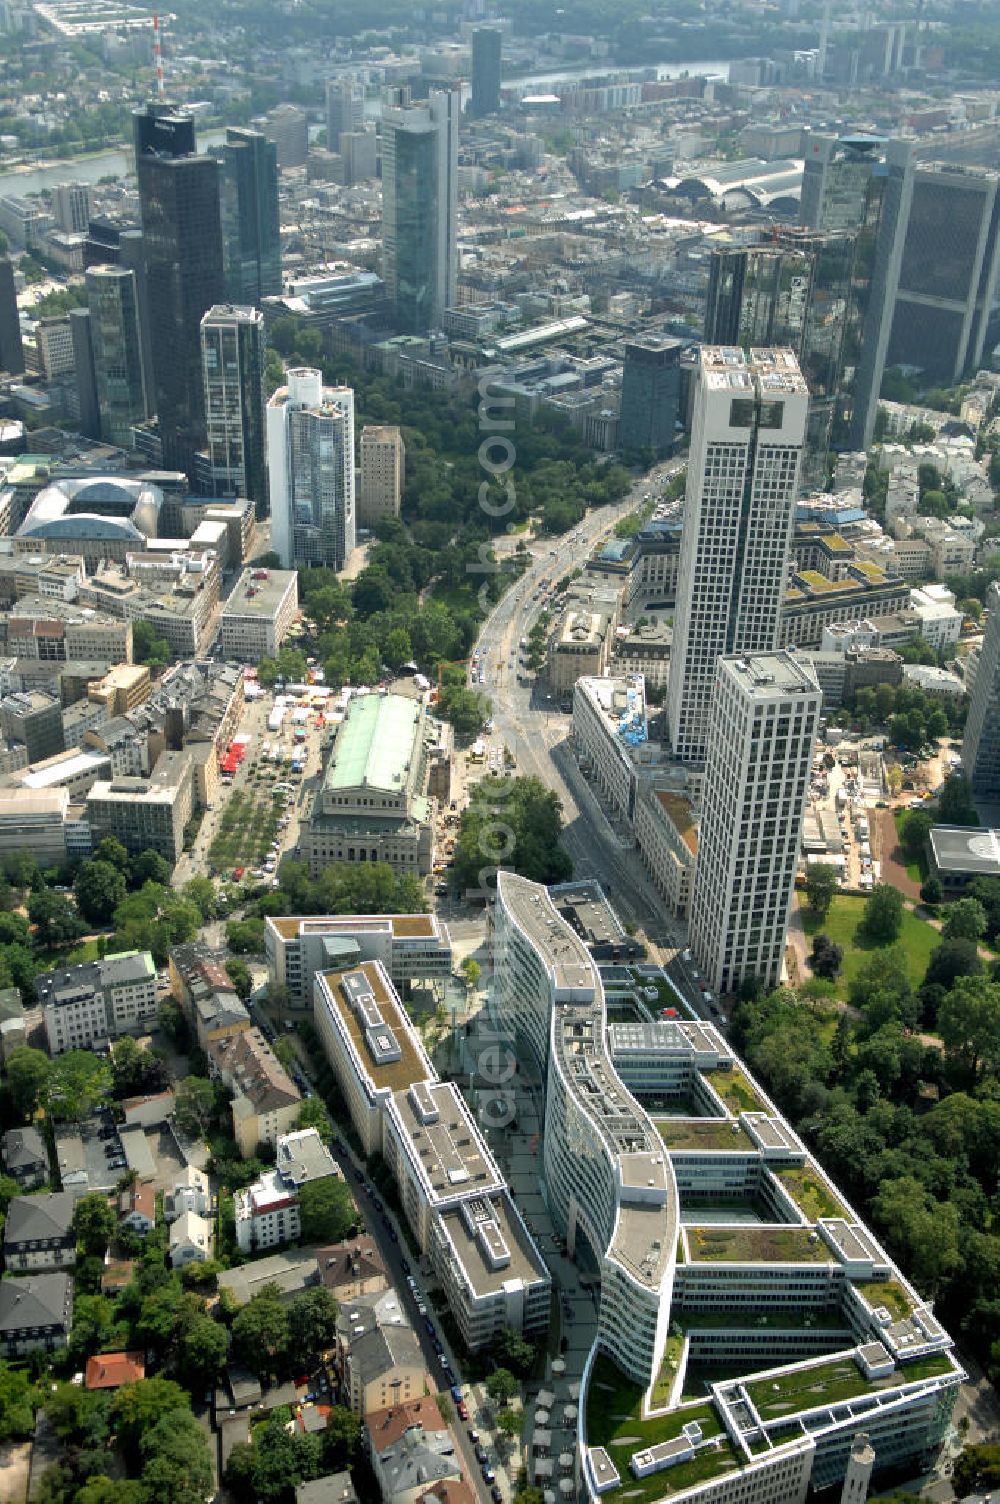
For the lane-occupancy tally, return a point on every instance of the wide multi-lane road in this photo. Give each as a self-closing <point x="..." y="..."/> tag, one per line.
<point x="532" y="725"/>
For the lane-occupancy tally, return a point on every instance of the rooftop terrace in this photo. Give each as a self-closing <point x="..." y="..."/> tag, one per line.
<point x="811" y="1194"/>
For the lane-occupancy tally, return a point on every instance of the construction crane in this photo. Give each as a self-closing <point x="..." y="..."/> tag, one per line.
<point x="157" y="56"/>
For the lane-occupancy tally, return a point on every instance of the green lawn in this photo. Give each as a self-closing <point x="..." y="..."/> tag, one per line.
<point x="735" y="1090"/>
<point x="781" y="1320"/>
<point x="916" y="939"/>
<point x="614" y="1409"/>
<point x="73" y="955"/>
<point x="751" y="1243"/>
<point x="809" y="1193"/>
<point x="702" y="1133"/>
<point x="832" y="1383"/>
<point x="886" y="1292"/>
<point x="916" y="871"/>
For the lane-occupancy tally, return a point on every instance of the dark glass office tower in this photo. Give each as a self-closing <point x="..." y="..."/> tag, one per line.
<point x="182" y="248"/>
<point x="651" y="394"/>
<point x="11" y="349"/>
<point x="119" y="379"/>
<point x="83" y="366"/>
<point x="795" y="292"/>
<point x="947" y="279"/>
<point x="232" y="354"/>
<point x="485" y="71"/>
<point x="419" y="207"/>
<point x="251" y="240"/>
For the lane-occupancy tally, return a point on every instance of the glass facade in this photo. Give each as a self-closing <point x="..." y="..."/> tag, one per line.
<point x="182" y="245"/>
<point x="232" y="344"/>
<point x="250" y="225"/>
<point x="485" y="71"/>
<point x="113" y="301"/>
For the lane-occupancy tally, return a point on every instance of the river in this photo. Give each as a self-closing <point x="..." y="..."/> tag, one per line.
<point x="599" y="68"/>
<point x="115" y="161"/>
<point x="101" y="164"/>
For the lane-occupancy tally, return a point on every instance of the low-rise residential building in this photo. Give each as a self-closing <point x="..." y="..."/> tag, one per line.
<point x="96" y="1001"/>
<point x="137" y="1209"/>
<point x="380" y="1361"/>
<point x="940" y="619"/>
<point x="332" y="1488"/>
<point x="453" y="1194"/>
<point x="373" y="804"/>
<point x="190" y="1193"/>
<point x="609" y="729"/>
<point x="353" y="1268"/>
<point x="266" y="1102"/>
<point x="291" y="1272"/>
<point x="666" y="834"/>
<point x="146" y="814"/>
<point x="24" y="1157"/>
<point x="267" y="1212"/>
<point x="259" y="613"/>
<point x="190" y="1240"/>
<point x="36" y="1314"/>
<point x="411" y="1449"/>
<point x="203" y="989"/>
<point x="112" y="1370"/>
<point x="411" y="947"/>
<point x="38" y="1233"/>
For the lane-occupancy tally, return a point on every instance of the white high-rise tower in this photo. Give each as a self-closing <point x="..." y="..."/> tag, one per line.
<point x="761" y="734"/>
<point x="310" y="462"/>
<point x="746" y="448"/>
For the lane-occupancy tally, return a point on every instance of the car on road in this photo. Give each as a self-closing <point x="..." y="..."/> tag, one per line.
<point x="473" y="1435"/>
<point x="496" y="1495"/>
<point x="442" y="1357"/>
<point x="481" y="1456"/>
<point x="456" y="1393"/>
<point x="489" y="1476"/>
<point x="463" y="1410"/>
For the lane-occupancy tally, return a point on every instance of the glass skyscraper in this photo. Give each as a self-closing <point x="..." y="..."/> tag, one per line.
<point x="651" y="395"/>
<point x="232" y="354"/>
<point x="182" y="248"/>
<point x="251" y="239"/>
<point x="485" y="71"/>
<point x="794" y="291"/>
<point x="113" y="301"/>
<point x="310" y="459"/>
<point x="419" y="210"/>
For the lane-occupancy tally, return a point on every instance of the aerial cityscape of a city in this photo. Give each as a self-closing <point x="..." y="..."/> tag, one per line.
<point x="500" y="752"/>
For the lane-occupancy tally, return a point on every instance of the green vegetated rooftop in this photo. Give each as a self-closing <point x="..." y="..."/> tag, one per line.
<point x="736" y="1091"/>
<point x="752" y="1243"/>
<point x="888" y="1293"/>
<point x="783" y="1319"/>
<point x="810" y="1194"/>
<point x="832" y="1383"/>
<point x="614" y="1421"/>
<point x="703" y="1133"/>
